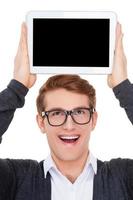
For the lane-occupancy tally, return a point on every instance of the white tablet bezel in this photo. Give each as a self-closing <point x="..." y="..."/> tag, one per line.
<point x="71" y="14"/>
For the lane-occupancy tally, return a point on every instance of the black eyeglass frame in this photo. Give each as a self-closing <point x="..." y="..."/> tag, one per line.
<point x="67" y="113"/>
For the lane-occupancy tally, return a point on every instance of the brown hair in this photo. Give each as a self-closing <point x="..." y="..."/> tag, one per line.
<point x="69" y="82"/>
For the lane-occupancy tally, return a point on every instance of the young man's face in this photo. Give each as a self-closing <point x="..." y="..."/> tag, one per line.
<point x="60" y="138"/>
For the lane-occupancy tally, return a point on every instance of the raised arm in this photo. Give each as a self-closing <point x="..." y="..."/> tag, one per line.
<point x="14" y="95"/>
<point x="10" y="99"/>
<point x="118" y="81"/>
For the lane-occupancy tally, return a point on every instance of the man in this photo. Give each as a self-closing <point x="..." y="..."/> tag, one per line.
<point x="71" y="171"/>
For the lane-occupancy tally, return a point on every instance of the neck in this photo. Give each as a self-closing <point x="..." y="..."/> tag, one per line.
<point x="71" y="169"/>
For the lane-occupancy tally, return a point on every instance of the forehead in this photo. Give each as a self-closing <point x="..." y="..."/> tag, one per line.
<point x="62" y="98"/>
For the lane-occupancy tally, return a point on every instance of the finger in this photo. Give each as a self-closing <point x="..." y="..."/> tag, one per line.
<point x="118" y="29"/>
<point x="119" y="37"/>
<point x="118" y="33"/>
<point x="24" y="39"/>
<point x="20" y="42"/>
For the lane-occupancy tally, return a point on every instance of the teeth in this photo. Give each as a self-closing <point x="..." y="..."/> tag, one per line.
<point x="69" y="137"/>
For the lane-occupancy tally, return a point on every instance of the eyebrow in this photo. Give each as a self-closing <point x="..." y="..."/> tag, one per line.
<point x="59" y="108"/>
<point x="55" y="108"/>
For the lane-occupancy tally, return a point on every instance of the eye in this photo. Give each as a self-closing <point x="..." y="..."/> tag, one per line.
<point x="78" y="111"/>
<point x="56" y="113"/>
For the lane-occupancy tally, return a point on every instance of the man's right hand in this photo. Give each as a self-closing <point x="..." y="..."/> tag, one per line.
<point x="21" y="61"/>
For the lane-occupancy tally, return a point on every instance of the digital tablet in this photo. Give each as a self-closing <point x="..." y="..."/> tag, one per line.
<point x="71" y="41"/>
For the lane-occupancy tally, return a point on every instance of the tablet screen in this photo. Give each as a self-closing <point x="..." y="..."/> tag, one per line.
<point x="71" y="42"/>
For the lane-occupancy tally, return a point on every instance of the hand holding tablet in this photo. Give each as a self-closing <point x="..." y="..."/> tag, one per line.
<point x="71" y="42"/>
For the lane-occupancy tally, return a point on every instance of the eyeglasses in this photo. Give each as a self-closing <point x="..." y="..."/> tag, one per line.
<point x="58" y="117"/>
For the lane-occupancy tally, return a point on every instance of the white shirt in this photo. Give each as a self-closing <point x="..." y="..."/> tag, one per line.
<point x="63" y="189"/>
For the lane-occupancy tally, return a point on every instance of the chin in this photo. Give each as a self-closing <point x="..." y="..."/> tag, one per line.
<point x="69" y="158"/>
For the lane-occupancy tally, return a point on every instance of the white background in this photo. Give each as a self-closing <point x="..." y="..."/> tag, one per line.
<point x="113" y="136"/>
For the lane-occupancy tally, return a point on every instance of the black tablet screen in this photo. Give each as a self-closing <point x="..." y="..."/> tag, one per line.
<point x="71" y="42"/>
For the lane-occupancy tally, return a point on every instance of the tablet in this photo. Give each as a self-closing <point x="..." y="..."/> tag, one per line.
<point x="71" y="41"/>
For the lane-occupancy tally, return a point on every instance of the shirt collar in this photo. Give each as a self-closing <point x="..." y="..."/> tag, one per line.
<point x="93" y="161"/>
<point x="49" y="164"/>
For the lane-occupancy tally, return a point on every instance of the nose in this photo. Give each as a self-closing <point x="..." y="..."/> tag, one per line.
<point x="69" y="124"/>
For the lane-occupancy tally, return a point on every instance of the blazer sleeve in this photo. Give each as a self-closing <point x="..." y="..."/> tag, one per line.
<point x="124" y="93"/>
<point x="11" y="98"/>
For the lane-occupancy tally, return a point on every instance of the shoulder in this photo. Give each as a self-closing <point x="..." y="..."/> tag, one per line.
<point x="19" y="166"/>
<point x="16" y="170"/>
<point x="116" y="166"/>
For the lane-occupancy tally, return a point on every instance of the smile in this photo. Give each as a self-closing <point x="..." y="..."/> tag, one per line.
<point x="69" y="139"/>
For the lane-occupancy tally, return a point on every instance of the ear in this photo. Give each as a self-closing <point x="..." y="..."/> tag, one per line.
<point x="94" y="120"/>
<point x="40" y="122"/>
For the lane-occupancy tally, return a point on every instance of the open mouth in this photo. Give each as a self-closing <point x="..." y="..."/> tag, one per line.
<point x="69" y="139"/>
